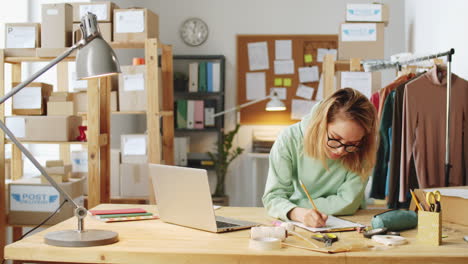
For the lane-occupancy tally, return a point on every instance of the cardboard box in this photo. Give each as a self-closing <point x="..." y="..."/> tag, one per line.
<point x="132" y="88"/>
<point x="60" y="109"/>
<point x="20" y="52"/>
<point x="104" y="10"/>
<point x="61" y="97"/>
<point x="367" y="13"/>
<point x="115" y="172"/>
<point x="114" y="101"/>
<point x="361" y="40"/>
<point x="376" y="82"/>
<point x="105" y="28"/>
<point x="81" y="102"/>
<point x="54" y="163"/>
<point x="134" y="148"/>
<point x="57" y="24"/>
<point x="32" y="99"/>
<point x="56" y="177"/>
<point x="453" y="208"/>
<point x="135" y="25"/>
<point x="31" y="202"/>
<point x="134" y="180"/>
<point x="79" y="162"/>
<point x="38" y="128"/>
<point x="22" y="35"/>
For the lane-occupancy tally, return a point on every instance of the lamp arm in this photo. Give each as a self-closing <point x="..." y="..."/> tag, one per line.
<point x="41" y="71"/>
<point x="243" y="105"/>
<point x="80" y="212"/>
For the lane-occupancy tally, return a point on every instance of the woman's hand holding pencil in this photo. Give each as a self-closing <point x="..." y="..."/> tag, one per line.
<point x="310" y="217"/>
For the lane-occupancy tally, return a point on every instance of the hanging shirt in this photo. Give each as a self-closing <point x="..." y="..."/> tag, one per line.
<point x="375" y="100"/>
<point x="335" y="191"/>
<point x="383" y="153"/>
<point x="387" y="89"/>
<point x="423" y="132"/>
<point x="395" y="151"/>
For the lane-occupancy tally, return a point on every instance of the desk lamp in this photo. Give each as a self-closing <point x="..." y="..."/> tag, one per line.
<point x="275" y="104"/>
<point x="95" y="58"/>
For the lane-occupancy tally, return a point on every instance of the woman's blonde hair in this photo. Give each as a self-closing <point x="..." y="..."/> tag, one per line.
<point x="347" y="104"/>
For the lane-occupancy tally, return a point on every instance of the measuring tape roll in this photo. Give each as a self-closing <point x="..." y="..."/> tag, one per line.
<point x="265" y="243"/>
<point x="278" y="232"/>
<point x="389" y="240"/>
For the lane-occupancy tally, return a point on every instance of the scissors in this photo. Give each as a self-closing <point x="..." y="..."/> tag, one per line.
<point x="433" y="200"/>
<point x="328" y="239"/>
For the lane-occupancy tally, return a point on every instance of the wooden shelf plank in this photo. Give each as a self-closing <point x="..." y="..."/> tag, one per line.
<point x="11" y="55"/>
<point x="49" y="142"/>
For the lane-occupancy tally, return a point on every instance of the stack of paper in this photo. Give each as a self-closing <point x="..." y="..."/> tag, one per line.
<point x="120" y="215"/>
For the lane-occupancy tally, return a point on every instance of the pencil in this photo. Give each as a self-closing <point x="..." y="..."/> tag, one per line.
<point x="416" y="201"/>
<point x="308" y="195"/>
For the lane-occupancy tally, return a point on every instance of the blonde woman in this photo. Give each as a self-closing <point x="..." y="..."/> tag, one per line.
<point x="332" y="151"/>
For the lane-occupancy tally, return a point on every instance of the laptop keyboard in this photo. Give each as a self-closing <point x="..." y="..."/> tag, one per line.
<point x="221" y="224"/>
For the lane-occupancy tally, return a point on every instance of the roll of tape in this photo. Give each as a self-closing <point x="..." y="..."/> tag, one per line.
<point x="265" y="243"/>
<point x="389" y="240"/>
<point x="289" y="226"/>
<point x="278" y="232"/>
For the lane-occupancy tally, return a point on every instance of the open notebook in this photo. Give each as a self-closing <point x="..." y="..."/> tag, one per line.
<point x="332" y="223"/>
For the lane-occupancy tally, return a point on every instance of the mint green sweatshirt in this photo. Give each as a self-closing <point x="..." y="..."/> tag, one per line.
<point x="335" y="191"/>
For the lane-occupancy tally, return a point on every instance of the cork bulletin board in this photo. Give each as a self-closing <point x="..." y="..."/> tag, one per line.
<point x="304" y="54"/>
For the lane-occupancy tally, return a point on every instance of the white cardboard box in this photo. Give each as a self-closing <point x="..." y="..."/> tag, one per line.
<point x="115" y="172"/>
<point x="134" y="180"/>
<point x="134" y="148"/>
<point x="30" y="202"/>
<point x="366" y="13"/>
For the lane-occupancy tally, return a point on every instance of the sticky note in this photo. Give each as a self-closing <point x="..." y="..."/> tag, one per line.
<point x="287" y="82"/>
<point x="308" y="58"/>
<point x="278" y="81"/>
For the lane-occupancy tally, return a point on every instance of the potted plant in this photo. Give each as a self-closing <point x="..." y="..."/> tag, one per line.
<point x="226" y="154"/>
<point x="180" y="82"/>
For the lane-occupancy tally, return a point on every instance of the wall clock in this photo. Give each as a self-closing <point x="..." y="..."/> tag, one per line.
<point x="194" y="31"/>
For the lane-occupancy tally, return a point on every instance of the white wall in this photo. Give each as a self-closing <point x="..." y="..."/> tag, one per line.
<point x="227" y="18"/>
<point x="434" y="26"/>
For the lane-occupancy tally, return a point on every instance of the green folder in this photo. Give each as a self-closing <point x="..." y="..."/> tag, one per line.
<point x="181" y="117"/>
<point x="202" y="77"/>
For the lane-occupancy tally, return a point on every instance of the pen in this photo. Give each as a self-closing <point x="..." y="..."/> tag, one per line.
<point x="416" y="201"/>
<point x="308" y="196"/>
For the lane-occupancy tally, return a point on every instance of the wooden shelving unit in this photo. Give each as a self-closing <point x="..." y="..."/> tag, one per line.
<point x="98" y="121"/>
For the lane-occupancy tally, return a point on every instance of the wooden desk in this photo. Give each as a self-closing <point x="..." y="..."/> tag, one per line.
<point x="153" y="241"/>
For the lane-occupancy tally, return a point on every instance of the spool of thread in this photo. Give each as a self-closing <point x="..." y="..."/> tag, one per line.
<point x="389" y="240"/>
<point x="278" y="232"/>
<point x="288" y="225"/>
<point x="265" y="243"/>
<point x="138" y="61"/>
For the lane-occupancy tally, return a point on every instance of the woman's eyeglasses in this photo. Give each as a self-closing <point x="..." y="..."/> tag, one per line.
<point x="335" y="143"/>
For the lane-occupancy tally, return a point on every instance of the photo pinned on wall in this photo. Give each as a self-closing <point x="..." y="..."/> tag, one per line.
<point x="301" y="108"/>
<point x="258" y="56"/>
<point x="256" y="85"/>
<point x="305" y="91"/>
<point x="280" y="91"/>
<point x="308" y="74"/>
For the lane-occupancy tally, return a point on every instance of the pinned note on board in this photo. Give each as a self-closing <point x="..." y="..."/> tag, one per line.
<point x="278" y="81"/>
<point x="287" y="82"/>
<point x="308" y="58"/>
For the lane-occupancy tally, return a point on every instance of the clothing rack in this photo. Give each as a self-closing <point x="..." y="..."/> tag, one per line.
<point x="376" y="65"/>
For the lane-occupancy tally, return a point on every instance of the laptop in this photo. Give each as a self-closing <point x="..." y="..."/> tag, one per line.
<point x="184" y="198"/>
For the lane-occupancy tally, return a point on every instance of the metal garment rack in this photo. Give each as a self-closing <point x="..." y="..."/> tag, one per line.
<point x="380" y="65"/>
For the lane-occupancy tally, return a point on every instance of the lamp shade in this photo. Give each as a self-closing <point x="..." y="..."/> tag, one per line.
<point x="275" y="104"/>
<point x="96" y="59"/>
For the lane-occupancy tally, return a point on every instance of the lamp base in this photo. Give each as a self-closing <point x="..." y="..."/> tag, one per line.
<point x="87" y="238"/>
